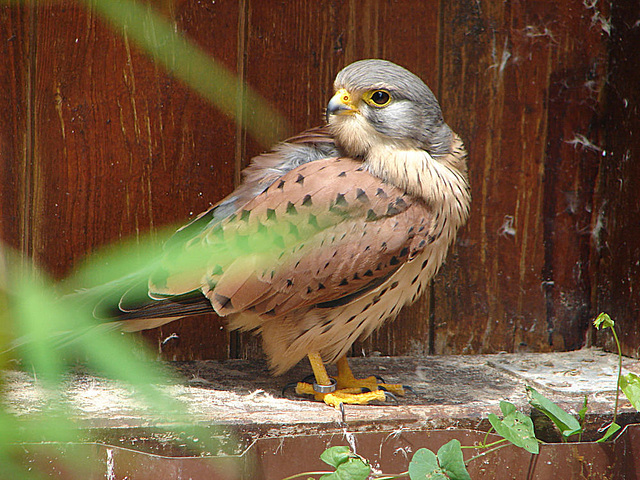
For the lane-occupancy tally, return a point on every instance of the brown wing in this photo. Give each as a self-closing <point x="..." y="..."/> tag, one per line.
<point x="264" y="169"/>
<point x="320" y="234"/>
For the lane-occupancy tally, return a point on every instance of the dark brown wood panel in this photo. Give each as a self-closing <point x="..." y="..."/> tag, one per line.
<point x="15" y="125"/>
<point x="293" y="53"/>
<point x="98" y="143"/>
<point x="122" y="149"/>
<point x="518" y="84"/>
<point x="207" y="168"/>
<point x="398" y="37"/>
<point x="615" y="228"/>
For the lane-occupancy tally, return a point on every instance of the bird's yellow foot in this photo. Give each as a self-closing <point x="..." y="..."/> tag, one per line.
<point x="346" y="379"/>
<point x="345" y="388"/>
<point x="350" y="396"/>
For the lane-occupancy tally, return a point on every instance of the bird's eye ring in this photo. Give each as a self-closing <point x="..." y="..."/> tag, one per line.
<point x="378" y="98"/>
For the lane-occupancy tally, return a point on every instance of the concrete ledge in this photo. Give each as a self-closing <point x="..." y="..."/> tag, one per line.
<point x="452" y="391"/>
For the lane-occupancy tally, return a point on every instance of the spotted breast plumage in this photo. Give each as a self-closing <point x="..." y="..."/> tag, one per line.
<point x="329" y="235"/>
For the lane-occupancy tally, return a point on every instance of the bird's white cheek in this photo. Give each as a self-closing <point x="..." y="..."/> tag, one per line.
<point x="353" y="134"/>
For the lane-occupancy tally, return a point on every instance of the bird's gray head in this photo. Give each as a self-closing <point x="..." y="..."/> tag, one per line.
<point x="379" y="101"/>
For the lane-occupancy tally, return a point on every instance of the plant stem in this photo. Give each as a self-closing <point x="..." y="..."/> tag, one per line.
<point x="486" y="435"/>
<point x="486" y="452"/>
<point x="485" y="445"/>
<point x="298" y="475"/>
<point x="615" y="408"/>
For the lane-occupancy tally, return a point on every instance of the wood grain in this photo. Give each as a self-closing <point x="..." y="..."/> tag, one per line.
<point x="16" y="148"/>
<point x="615" y="230"/>
<point x="511" y="74"/>
<point x="122" y="149"/>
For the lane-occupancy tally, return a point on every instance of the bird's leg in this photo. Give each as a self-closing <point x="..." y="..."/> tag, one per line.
<point x="346" y="379"/>
<point x="325" y="388"/>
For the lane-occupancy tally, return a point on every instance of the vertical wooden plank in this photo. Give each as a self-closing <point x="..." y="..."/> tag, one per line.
<point x="15" y="104"/>
<point x="408" y="35"/>
<point x="293" y="52"/>
<point x="513" y="74"/>
<point x="122" y="149"/>
<point x="615" y="229"/>
<point x="212" y="142"/>
<point x="290" y="59"/>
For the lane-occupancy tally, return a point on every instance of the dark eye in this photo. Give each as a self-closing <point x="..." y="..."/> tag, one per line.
<point x="380" y="98"/>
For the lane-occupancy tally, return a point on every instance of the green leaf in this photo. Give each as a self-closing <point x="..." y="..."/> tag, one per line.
<point x="353" y="469"/>
<point x="566" y="423"/>
<point x="582" y="413"/>
<point x="515" y="427"/>
<point x="424" y="465"/>
<point x="603" y="321"/>
<point x="613" y="428"/>
<point x="336" y="456"/>
<point x="630" y="385"/>
<point x="452" y="462"/>
<point x="349" y="466"/>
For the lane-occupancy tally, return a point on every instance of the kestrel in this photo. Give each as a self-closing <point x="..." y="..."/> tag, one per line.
<point x="329" y="234"/>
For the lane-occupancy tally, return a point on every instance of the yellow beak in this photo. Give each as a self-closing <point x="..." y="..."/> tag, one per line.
<point x="341" y="104"/>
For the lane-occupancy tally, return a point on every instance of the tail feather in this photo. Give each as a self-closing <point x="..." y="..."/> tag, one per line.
<point x="191" y="303"/>
<point x="134" y="309"/>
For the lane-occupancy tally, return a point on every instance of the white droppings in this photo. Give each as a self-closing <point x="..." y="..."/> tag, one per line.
<point x="507" y="228"/>
<point x="351" y="440"/>
<point x="584" y="142"/>
<point x="170" y="337"/>
<point x="111" y="473"/>
<point x="596" y="17"/>
<point x="532" y="31"/>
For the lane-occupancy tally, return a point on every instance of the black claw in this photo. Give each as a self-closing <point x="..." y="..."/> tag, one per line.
<point x="364" y="390"/>
<point x="409" y="388"/>
<point x="383" y="388"/>
<point x="389" y="395"/>
<point x="380" y="379"/>
<point x="288" y="386"/>
<point x="344" y="414"/>
<point x="308" y="379"/>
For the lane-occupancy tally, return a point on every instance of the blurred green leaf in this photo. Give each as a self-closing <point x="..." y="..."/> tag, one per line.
<point x="566" y="423"/>
<point x="630" y="385"/>
<point x="161" y="39"/>
<point x="515" y="427"/>
<point x="47" y="336"/>
<point x="40" y="321"/>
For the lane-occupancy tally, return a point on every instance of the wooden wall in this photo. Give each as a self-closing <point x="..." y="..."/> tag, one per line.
<point x="615" y="260"/>
<point x="98" y="144"/>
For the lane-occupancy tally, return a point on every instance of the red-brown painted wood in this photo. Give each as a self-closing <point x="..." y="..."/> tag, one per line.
<point x="99" y="144"/>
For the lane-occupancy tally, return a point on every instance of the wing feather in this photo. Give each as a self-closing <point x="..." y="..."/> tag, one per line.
<point x="307" y="228"/>
<point x="329" y="230"/>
